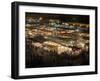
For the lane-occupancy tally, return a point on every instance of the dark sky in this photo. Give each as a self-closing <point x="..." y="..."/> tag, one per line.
<point x="62" y="17"/>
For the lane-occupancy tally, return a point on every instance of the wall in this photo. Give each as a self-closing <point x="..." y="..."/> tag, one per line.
<point x="5" y="40"/>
